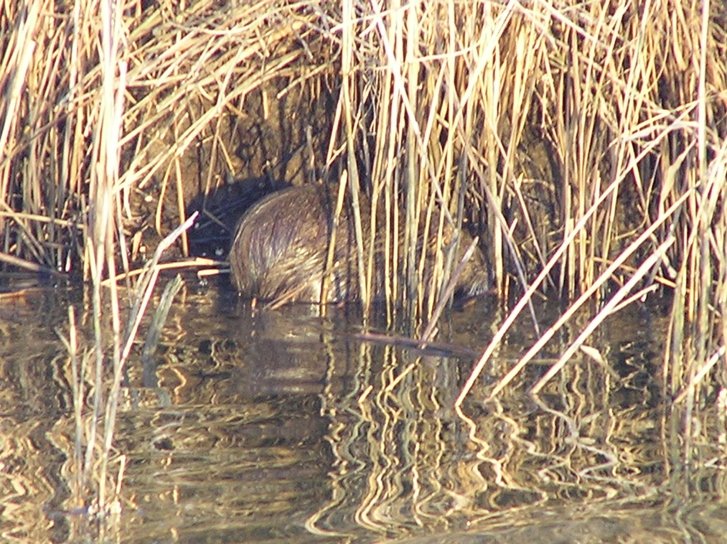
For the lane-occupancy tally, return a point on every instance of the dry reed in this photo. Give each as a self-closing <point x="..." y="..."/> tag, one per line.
<point x="584" y="142"/>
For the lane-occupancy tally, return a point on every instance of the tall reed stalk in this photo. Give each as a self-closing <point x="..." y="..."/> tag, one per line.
<point x="584" y="143"/>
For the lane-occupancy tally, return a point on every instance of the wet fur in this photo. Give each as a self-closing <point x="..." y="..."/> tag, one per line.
<point x="280" y="246"/>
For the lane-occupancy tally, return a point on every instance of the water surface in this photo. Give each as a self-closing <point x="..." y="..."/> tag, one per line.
<point x="285" y="426"/>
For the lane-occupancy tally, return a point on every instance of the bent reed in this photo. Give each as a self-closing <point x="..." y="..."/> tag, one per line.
<point x="585" y="142"/>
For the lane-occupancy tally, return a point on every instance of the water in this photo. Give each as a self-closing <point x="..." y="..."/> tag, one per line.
<point x="284" y="426"/>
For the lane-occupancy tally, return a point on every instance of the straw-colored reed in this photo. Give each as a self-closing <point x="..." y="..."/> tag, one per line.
<point x="585" y="142"/>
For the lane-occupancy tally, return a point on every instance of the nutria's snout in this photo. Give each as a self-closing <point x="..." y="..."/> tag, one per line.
<point x="280" y="247"/>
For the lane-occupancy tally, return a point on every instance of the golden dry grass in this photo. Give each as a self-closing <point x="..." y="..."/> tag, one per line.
<point x="585" y="142"/>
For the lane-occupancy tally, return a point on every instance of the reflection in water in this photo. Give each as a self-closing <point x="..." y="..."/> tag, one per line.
<point x="283" y="426"/>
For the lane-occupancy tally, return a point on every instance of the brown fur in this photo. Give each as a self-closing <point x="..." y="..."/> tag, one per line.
<point x="280" y="246"/>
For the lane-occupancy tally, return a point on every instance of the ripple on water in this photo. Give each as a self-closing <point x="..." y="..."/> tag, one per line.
<point x="288" y="426"/>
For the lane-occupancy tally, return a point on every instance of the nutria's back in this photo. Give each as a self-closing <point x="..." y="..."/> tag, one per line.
<point x="280" y="246"/>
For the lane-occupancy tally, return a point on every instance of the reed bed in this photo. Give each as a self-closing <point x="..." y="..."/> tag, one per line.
<point x="585" y="143"/>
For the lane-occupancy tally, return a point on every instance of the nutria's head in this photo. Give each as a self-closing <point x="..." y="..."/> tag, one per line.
<point x="474" y="278"/>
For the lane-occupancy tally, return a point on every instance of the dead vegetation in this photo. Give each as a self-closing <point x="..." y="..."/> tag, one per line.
<point x="585" y="143"/>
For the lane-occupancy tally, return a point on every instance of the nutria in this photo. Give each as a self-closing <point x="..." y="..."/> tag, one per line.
<point x="280" y="246"/>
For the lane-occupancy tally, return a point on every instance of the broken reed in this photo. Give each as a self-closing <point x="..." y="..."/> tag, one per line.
<point x="581" y="141"/>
